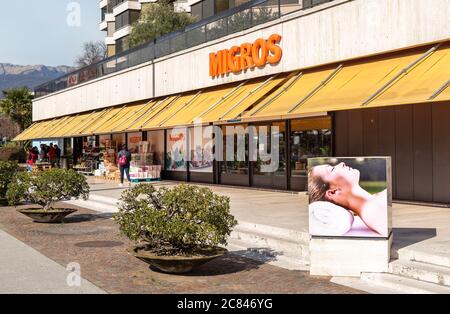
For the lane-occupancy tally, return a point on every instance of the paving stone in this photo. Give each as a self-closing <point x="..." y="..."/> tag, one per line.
<point x="93" y="240"/>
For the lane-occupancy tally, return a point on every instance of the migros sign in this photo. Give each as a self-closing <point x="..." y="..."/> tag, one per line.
<point x="246" y="56"/>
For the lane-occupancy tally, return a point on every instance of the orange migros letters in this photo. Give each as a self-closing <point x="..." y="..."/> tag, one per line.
<point x="246" y="56"/>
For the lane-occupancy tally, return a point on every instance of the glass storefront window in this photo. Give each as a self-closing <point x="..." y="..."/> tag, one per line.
<point x="118" y="140"/>
<point x="237" y="137"/>
<point x="177" y="146"/>
<point x="135" y="142"/>
<point x="201" y="149"/>
<point x="276" y="130"/>
<point x="309" y="138"/>
<point x="155" y="141"/>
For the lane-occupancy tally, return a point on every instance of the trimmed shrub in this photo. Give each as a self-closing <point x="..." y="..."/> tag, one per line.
<point x="47" y="187"/>
<point x="177" y="221"/>
<point x="8" y="170"/>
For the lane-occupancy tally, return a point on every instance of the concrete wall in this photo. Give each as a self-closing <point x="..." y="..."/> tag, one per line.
<point x="335" y="31"/>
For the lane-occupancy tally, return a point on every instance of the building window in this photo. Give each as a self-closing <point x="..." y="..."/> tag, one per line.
<point x="111" y="50"/>
<point x="110" y="6"/>
<point x="103" y="16"/>
<point x="122" y="44"/>
<point x="118" y="2"/>
<point x="207" y="8"/>
<point x="273" y="131"/>
<point x="196" y="11"/>
<point x="126" y="18"/>
<point x="177" y="149"/>
<point x="201" y="149"/>
<point x="238" y="142"/>
<point x="221" y="5"/>
<point x="309" y="138"/>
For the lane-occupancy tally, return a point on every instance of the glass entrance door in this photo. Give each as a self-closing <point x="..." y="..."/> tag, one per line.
<point x="234" y="169"/>
<point x="309" y="138"/>
<point x="269" y="170"/>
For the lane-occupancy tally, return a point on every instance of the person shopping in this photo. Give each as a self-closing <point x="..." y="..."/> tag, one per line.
<point x="52" y="155"/>
<point x="124" y="159"/>
<point x="32" y="157"/>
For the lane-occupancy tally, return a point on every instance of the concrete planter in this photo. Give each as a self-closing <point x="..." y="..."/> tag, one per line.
<point x="56" y="215"/>
<point x="176" y="264"/>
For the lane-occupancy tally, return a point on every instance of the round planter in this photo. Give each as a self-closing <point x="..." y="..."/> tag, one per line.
<point x="176" y="264"/>
<point x="56" y="215"/>
<point x="3" y="202"/>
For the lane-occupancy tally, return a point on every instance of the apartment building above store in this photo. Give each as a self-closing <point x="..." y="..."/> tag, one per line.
<point x="196" y="34"/>
<point x="118" y="16"/>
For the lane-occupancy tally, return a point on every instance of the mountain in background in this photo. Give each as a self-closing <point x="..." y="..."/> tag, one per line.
<point x="12" y="76"/>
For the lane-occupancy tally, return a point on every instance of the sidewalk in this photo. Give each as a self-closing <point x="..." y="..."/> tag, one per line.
<point x="94" y="241"/>
<point x="415" y="226"/>
<point x="25" y="270"/>
<point x="285" y="210"/>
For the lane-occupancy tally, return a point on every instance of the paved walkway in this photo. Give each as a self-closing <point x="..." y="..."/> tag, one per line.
<point x="93" y="240"/>
<point x="422" y="228"/>
<point x="276" y="209"/>
<point x="25" y="270"/>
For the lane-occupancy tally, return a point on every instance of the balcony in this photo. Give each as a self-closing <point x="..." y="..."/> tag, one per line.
<point x="126" y="5"/>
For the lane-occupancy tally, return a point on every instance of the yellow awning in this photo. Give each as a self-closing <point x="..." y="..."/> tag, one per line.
<point x="121" y="120"/>
<point x="24" y="135"/>
<point x="56" y="126"/>
<point x="420" y="83"/>
<point x="137" y="110"/>
<point x="39" y="129"/>
<point x="445" y="93"/>
<point x="353" y="85"/>
<point x="349" y="86"/>
<point x="253" y="96"/>
<point x="170" y="110"/>
<point x="192" y="112"/>
<point x="104" y="120"/>
<point x="420" y="75"/>
<point x="241" y="99"/>
<point x="137" y="116"/>
<point x="67" y="129"/>
<point x="155" y="108"/>
<point x="282" y="99"/>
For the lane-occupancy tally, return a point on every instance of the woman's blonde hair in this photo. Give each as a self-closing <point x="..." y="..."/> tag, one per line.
<point x="317" y="187"/>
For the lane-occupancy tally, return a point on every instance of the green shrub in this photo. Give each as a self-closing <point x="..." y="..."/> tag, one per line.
<point x="48" y="187"/>
<point x="180" y="220"/>
<point x="8" y="171"/>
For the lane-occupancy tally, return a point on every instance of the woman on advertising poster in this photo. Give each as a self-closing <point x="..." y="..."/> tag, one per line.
<point x="335" y="197"/>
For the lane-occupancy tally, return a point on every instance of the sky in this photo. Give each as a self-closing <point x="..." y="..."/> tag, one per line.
<point x="48" y="32"/>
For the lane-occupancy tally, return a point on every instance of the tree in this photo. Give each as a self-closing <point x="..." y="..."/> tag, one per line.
<point x="17" y="105"/>
<point x="93" y="51"/>
<point x="157" y="20"/>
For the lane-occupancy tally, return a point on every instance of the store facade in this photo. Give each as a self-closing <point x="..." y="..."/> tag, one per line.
<point x="375" y="93"/>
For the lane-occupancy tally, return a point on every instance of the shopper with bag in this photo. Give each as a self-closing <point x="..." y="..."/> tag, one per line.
<point x="124" y="159"/>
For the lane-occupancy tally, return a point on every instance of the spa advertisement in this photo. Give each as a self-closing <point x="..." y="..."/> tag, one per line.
<point x="349" y="197"/>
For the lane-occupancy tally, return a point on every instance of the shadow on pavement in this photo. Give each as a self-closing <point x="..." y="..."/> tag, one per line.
<point x="404" y="237"/>
<point x="78" y="218"/>
<point x="233" y="262"/>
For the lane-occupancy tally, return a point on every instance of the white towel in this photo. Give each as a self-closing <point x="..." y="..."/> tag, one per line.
<point x="328" y="219"/>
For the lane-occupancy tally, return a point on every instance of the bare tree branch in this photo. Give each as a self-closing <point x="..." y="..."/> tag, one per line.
<point x="92" y="53"/>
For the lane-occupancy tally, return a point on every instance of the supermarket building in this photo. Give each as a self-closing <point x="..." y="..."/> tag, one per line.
<point x="353" y="78"/>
